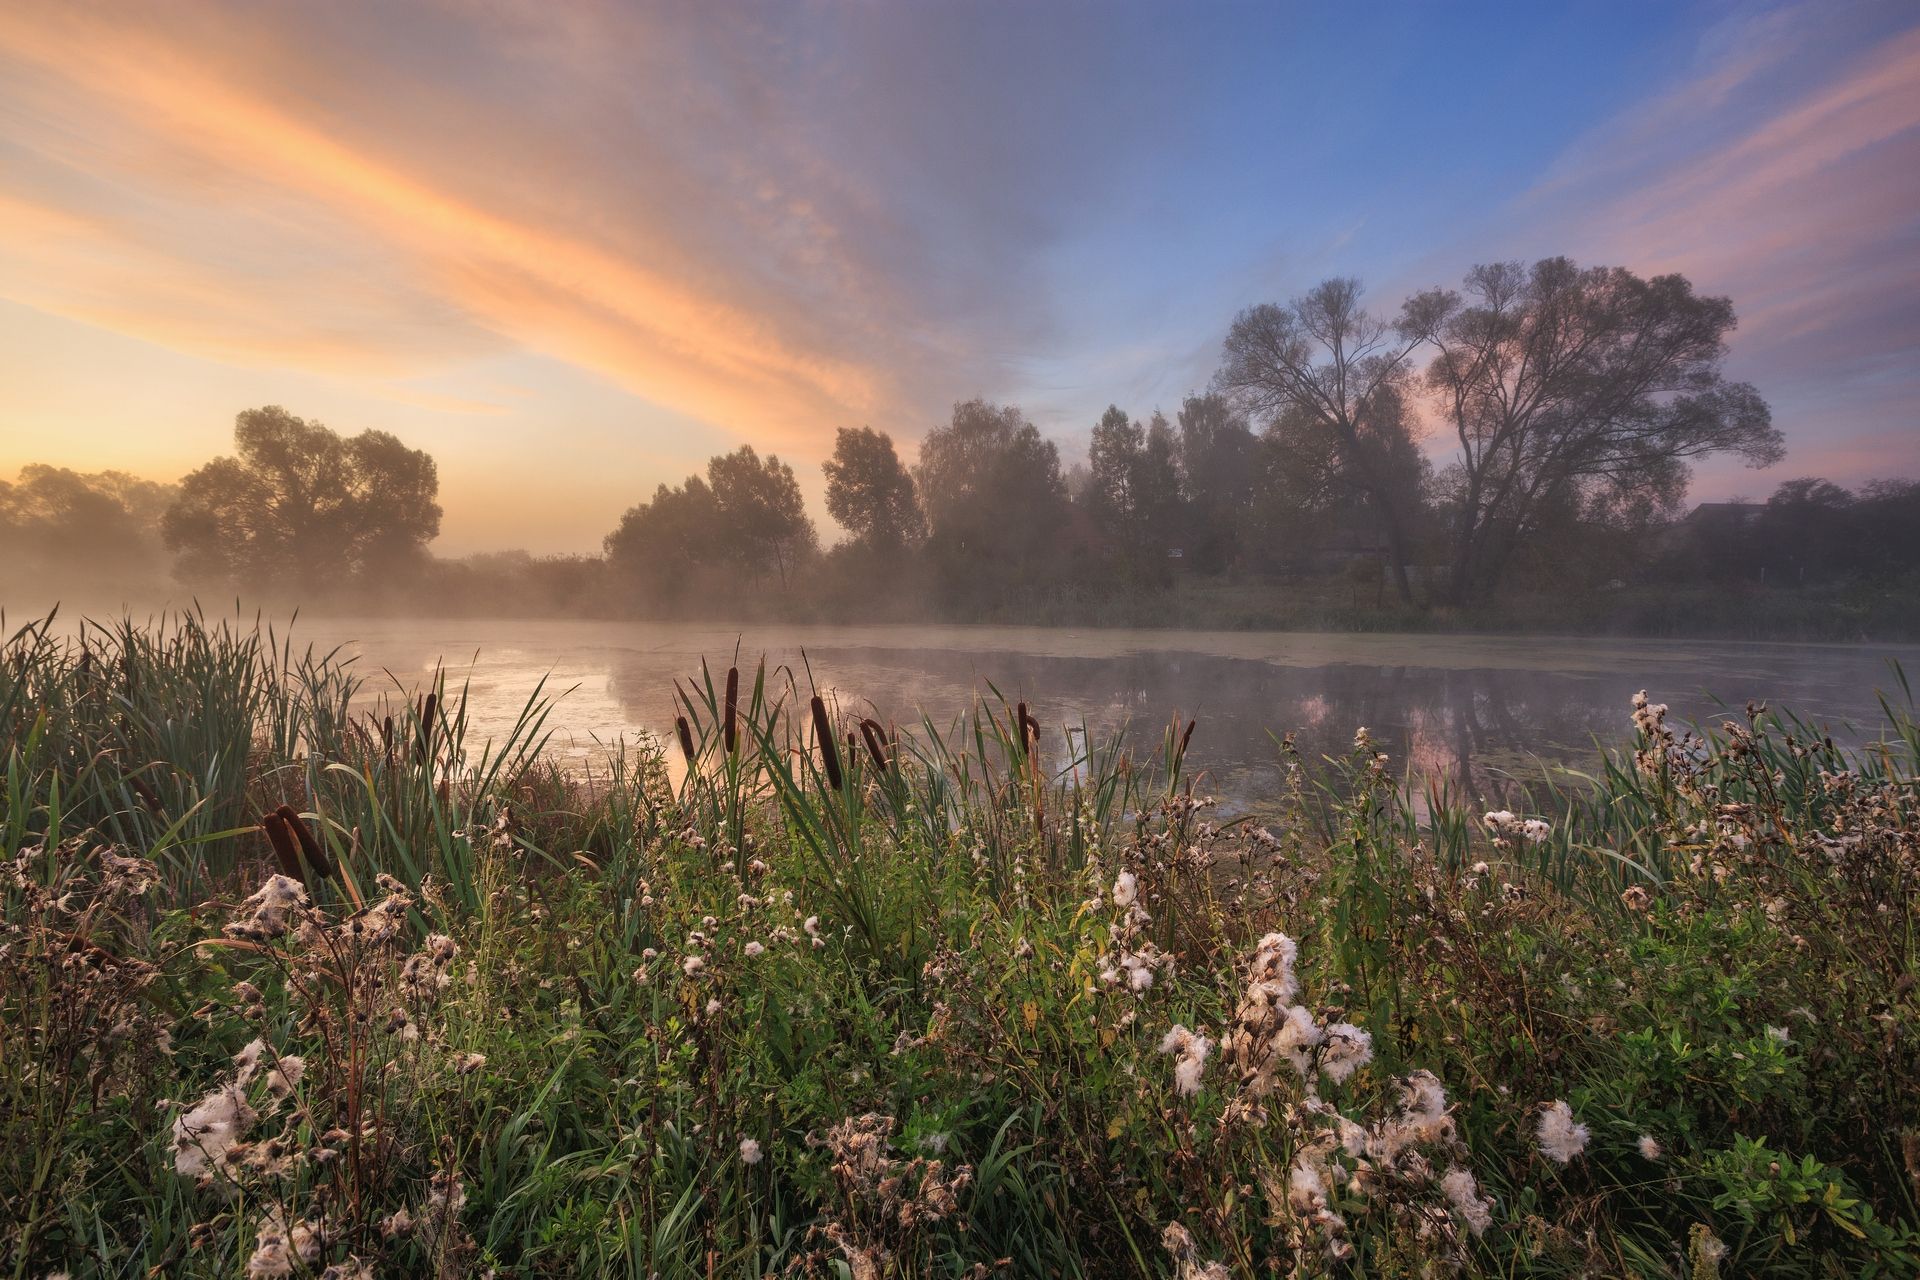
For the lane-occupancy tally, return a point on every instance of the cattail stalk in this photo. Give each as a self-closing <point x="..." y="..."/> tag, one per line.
<point x="424" y="748"/>
<point x="730" y="729"/>
<point x="874" y="737"/>
<point x="285" y="851"/>
<point x="309" y="846"/>
<point x="1029" y="729"/>
<point x="829" y="750"/>
<point x="147" y="797"/>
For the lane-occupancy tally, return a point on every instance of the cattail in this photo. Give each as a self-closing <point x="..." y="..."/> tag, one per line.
<point x="1020" y="725"/>
<point x="829" y="752"/>
<point x="146" y="795"/>
<point x="424" y="748"/>
<point x="1185" y="738"/>
<point x="309" y="846"/>
<point x="685" y="731"/>
<point x="386" y="734"/>
<point x="871" y="731"/>
<point x="730" y="729"/>
<point x="284" y="850"/>
<point x="1029" y="728"/>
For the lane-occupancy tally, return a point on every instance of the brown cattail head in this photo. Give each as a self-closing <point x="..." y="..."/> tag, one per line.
<point x="875" y="739"/>
<point x="730" y="729"/>
<point x="685" y="731"/>
<point x="1186" y="737"/>
<point x="424" y="748"/>
<point x="1029" y="729"/>
<point x="829" y="751"/>
<point x="309" y="846"/>
<point x="285" y="851"/>
<point x="146" y="795"/>
<point x="386" y="733"/>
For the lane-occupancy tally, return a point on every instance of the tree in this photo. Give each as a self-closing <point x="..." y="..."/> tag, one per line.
<point x="65" y="527"/>
<point x="1216" y="455"/>
<point x="870" y="492"/>
<point x="1113" y="465"/>
<point x="1331" y="373"/>
<point x="300" y="506"/>
<point x="1133" y="486"/>
<point x="1809" y="528"/>
<point x="1565" y="385"/>
<point x="763" y="518"/>
<point x="660" y="546"/>
<point x="746" y="515"/>
<point x="1159" y="500"/>
<point x="994" y="497"/>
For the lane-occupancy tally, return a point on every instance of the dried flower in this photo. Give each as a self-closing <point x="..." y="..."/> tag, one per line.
<point x="1191" y="1052"/>
<point x="1560" y="1138"/>
<point x="1347" y="1049"/>
<point x="1463" y="1193"/>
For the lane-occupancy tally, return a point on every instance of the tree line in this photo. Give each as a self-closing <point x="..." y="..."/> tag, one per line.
<point x="1573" y="400"/>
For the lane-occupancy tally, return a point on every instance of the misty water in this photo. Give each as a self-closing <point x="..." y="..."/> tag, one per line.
<point x="1482" y="708"/>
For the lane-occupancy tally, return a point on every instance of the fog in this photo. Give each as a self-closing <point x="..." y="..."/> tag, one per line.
<point x="1305" y="487"/>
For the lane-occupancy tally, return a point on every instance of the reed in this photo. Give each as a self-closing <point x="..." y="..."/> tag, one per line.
<point x="823" y="737"/>
<point x="964" y="997"/>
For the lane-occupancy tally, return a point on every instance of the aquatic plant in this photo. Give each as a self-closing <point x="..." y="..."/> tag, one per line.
<point x="338" y="991"/>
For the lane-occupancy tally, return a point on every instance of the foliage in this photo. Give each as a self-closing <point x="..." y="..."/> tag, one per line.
<point x="1328" y="375"/>
<point x="870" y="492"/>
<point x="986" y="999"/>
<point x="301" y="507"/>
<point x="994" y="495"/>
<point x="744" y="518"/>
<point x="1575" y="387"/>
<point x="102" y="528"/>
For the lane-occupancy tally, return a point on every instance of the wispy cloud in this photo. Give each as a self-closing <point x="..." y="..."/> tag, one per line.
<point x="679" y="224"/>
<point x="1785" y="173"/>
<point x="551" y="286"/>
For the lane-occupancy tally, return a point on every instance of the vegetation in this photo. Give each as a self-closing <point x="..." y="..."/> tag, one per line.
<point x="300" y="504"/>
<point x="806" y="994"/>
<point x="1574" y="401"/>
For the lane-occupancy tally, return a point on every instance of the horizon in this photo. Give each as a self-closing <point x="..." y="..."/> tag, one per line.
<point x="573" y="255"/>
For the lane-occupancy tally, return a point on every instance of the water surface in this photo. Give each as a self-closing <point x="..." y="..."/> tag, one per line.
<point x="1479" y="707"/>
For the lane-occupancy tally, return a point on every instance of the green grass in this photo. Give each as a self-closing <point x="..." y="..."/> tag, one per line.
<point x="932" y="986"/>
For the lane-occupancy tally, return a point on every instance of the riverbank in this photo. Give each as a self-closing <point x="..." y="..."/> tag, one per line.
<point x="830" y="1003"/>
<point x="1886" y="612"/>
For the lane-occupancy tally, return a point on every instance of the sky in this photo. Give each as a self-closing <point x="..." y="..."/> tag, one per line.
<point x="573" y="250"/>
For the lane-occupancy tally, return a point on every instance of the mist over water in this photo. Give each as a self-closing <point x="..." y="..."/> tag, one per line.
<point x="1477" y="708"/>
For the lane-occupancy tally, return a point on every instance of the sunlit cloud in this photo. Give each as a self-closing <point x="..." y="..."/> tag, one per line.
<point x="503" y="228"/>
<point x="551" y="288"/>
<point x="1786" y="176"/>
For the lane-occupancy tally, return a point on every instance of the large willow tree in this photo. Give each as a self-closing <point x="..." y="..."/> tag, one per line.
<point x="1574" y="388"/>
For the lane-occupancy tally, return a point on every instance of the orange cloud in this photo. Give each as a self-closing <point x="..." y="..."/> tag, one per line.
<point x="550" y="288"/>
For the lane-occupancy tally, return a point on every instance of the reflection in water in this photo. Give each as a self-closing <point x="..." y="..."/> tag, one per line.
<point x="1479" y="709"/>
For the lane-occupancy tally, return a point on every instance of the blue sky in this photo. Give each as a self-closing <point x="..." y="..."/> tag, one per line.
<point x="574" y="250"/>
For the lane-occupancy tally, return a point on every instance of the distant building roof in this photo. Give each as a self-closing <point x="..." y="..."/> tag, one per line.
<point x="1724" y="513"/>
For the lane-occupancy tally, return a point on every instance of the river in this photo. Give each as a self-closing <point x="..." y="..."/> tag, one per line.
<point x="1482" y="708"/>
